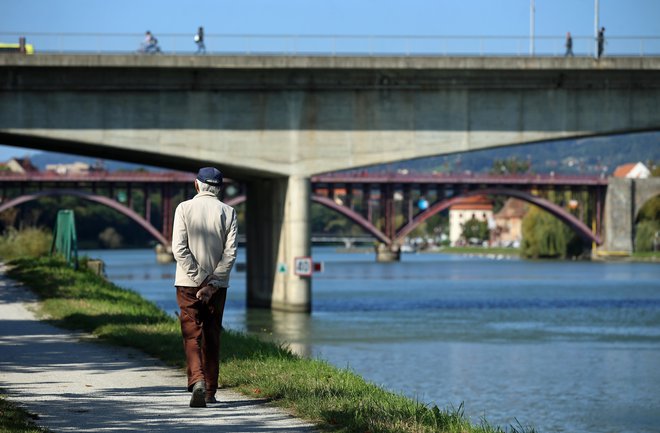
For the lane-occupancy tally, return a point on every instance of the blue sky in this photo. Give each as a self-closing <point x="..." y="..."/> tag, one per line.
<point x="325" y="17"/>
<point x="384" y="17"/>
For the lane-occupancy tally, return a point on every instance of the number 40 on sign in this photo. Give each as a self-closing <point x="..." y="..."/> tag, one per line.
<point x="304" y="267"/>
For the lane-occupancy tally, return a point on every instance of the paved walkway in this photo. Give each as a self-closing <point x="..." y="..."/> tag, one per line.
<point x="82" y="386"/>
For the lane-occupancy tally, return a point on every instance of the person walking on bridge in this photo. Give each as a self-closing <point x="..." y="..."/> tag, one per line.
<point x="569" y="45"/>
<point x="199" y="40"/>
<point x="601" y="41"/>
<point x="204" y="247"/>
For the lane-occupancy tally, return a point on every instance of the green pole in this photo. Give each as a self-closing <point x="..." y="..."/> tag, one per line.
<point x="65" y="240"/>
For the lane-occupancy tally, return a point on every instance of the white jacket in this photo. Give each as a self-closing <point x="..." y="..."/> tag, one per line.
<point x="203" y="240"/>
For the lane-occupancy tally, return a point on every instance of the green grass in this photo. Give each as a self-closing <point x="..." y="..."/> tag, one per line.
<point x="13" y="419"/>
<point x="652" y="255"/>
<point x="335" y="399"/>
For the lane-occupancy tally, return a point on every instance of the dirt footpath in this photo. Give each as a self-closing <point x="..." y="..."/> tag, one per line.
<point x="81" y="386"/>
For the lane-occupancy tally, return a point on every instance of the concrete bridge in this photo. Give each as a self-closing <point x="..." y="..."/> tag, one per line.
<point x="275" y="121"/>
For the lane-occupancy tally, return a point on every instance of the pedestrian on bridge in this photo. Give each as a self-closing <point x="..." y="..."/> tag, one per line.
<point x="601" y="41"/>
<point x="204" y="247"/>
<point x="199" y="40"/>
<point x="569" y="45"/>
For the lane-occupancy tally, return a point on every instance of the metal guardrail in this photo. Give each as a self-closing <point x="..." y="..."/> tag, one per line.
<point x="334" y="45"/>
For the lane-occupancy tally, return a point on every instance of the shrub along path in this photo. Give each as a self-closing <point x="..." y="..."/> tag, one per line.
<point x="75" y="384"/>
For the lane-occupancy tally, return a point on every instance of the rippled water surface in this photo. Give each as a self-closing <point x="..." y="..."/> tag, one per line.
<point x="564" y="346"/>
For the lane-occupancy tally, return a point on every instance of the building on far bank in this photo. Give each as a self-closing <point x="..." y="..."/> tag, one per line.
<point x="80" y="168"/>
<point x="19" y="165"/>
<point x="478" y="207"/>
<point x="633" y="170"/>
<point x="508" y="221"/>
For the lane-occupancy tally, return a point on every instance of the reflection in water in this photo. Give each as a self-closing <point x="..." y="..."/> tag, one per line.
<point x="290" y="329"/>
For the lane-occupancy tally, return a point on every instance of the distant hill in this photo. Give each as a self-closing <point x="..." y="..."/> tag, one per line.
<point x="587" y="156"/>
<point x="42" y="159"/>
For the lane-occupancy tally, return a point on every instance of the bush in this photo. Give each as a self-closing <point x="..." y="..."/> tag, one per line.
<point x="28" y="242"/>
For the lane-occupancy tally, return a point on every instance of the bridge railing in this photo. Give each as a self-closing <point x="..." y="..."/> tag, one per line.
<point x="334" y="45"/>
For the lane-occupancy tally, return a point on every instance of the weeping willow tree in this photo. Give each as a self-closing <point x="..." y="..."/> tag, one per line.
<point x="545" y="236"/>
<point x="647" y="229"/>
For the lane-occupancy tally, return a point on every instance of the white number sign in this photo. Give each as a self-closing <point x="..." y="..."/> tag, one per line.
<point x="303" y="266"/>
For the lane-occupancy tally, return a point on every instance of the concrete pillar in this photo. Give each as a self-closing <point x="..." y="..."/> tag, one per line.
<point x="278" y="231"/>
<point x="388" y="253"/>
<point x="619" y="216"/>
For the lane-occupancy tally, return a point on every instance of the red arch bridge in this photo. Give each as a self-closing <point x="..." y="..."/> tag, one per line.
<point x="374" y="202"/>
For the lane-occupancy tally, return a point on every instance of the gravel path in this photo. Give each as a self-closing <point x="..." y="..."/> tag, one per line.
<point x="76" y="385"/>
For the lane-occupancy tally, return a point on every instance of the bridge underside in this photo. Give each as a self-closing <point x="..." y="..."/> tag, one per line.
<point x="273" y="122"/>
<point x="263" y="117"/>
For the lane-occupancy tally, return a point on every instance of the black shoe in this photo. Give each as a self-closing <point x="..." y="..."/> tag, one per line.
<point x="211" y="399"/>
<point x="198" y="393"/>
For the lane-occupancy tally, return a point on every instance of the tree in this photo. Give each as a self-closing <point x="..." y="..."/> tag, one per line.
<point x="475" y="229"/>
<point x="545" y="236"/>
<point x="327" y="221"/>
<point x="511" y="166"/>
<point x="647" y="229"/>
<point x="436" y="224"/>
<point x="110" y="238"/>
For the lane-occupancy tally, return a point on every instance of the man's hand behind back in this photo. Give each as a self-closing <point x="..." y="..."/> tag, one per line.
<point x="205" y="293"/>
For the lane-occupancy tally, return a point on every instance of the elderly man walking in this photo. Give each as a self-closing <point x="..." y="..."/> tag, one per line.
<point x="204" y="247"/>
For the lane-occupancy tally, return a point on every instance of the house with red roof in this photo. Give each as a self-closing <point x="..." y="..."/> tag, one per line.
<point x="463" y="210"/>
<point x="633" y="170"/>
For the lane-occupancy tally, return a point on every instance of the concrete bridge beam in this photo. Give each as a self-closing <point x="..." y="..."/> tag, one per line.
<point x="278" y="231"/>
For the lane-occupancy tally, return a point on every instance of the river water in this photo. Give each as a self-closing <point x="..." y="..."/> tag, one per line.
<point x="563" y="346"/>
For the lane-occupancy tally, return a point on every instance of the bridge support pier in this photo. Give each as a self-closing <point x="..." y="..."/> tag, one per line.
<point x="387" y="253"/>
<point x="278" y="231"/>
<point x="625" y="198"/>
<point x="619" y="217"/>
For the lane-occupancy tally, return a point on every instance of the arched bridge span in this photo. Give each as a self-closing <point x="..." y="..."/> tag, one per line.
<point x="91" y="197"/>
<point x="578" y="226"/>
<point x="329" y="203"/>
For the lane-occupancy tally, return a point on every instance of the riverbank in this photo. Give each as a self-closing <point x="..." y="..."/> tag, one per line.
<point x="509" y="253"/>
<point x="480" y="251"/>
<point x="332" y="398"/>
<point x="474" y="251"/>
<point x="65" y="381"/>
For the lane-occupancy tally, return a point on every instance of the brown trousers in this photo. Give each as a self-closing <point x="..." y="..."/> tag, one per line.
<point x="200" y="328"/>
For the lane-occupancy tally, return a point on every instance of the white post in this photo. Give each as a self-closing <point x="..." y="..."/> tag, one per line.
<point x="531" y="27"/>
<point x="596" y="12"/>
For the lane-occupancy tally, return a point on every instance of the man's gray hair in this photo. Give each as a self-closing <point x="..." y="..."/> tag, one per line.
<point x="208" y="188"/>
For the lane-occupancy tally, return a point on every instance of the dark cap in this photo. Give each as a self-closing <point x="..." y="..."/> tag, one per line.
<point x="210" y="175"/>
